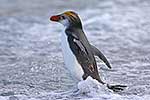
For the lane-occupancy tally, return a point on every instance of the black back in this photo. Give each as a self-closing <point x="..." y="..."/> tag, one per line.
<point x="82" y="50"/>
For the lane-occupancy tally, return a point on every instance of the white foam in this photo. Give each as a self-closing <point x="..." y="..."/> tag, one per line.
<point x="3" y="98"/>
<point x="88" y="89"/>
<point x="97" y="91"/>
<point x="92" y="87"/>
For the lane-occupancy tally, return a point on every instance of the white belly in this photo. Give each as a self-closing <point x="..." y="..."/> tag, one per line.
<point x="71" y="62"/>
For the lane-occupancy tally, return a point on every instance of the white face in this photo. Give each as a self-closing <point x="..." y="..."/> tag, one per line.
<point x="65" y="22"/>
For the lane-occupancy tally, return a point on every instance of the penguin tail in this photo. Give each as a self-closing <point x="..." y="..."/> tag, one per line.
<point x="117" y="88"/>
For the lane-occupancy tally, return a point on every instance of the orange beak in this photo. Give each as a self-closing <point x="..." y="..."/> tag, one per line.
<point x="55" y="18"/>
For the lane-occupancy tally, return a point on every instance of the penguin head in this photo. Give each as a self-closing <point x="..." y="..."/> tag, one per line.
<point x="68" y="19"/>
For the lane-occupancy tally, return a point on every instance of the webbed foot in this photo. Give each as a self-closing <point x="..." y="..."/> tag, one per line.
<point x="116" y="88"/>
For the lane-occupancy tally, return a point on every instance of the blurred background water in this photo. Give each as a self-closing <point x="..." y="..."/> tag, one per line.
<point x="31" y="61"/>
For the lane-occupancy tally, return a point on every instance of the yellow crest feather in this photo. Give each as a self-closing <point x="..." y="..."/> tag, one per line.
<point x="70" y="13"/>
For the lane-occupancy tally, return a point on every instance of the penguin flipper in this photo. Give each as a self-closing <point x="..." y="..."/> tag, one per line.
<point x="100" y="55"/>
<point x="116" y="88"/>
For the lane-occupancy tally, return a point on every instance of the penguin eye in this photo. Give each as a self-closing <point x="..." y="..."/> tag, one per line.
<point x="62" y="17"/>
